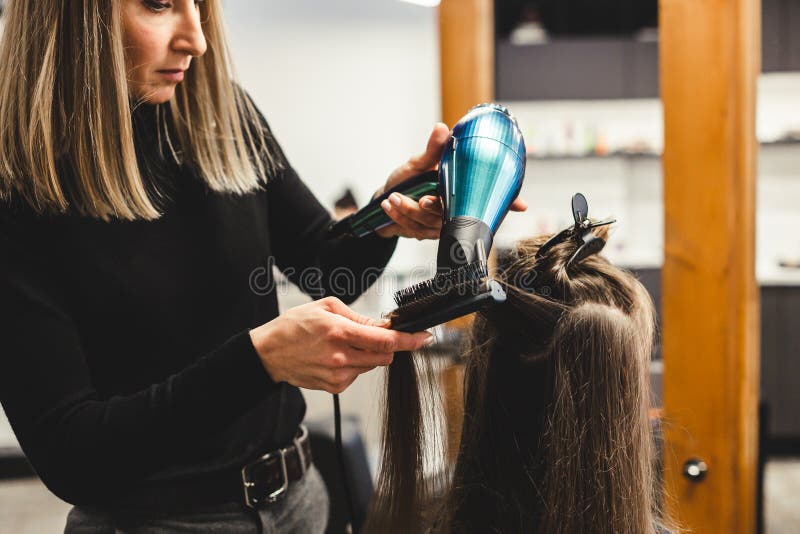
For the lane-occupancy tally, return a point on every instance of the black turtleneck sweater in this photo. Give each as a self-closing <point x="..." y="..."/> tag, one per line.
<point x="126" y="367"/>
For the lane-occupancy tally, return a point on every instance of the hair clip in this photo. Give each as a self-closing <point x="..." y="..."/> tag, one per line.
<point x="590" y="243"/>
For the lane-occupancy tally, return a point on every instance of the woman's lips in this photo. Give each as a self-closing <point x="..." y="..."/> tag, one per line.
<point x="174" y="75"/>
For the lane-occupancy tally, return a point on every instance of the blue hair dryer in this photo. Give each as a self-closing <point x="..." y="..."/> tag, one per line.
<point x="480" y="174"/>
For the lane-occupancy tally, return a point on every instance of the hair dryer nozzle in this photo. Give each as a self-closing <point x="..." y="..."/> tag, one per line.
<point x="463" y="241"/>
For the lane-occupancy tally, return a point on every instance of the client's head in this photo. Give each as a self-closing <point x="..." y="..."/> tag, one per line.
<point x="555" y="435"/>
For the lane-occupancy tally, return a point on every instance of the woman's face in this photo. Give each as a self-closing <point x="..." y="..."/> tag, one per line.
<point x="160" y="37"/>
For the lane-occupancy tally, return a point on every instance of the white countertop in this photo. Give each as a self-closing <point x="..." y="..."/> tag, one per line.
<point x="778" y="276"/>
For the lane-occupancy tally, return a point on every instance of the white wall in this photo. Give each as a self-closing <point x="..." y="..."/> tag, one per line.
<point x="351" y="90"/>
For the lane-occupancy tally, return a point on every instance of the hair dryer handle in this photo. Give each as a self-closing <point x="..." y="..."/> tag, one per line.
<point x="371" y="217"/>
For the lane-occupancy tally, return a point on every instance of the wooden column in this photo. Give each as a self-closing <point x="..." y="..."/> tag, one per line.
<point x="709" y="62"/>
<point x="466" y="44"/>
<point x="466" y="40"/>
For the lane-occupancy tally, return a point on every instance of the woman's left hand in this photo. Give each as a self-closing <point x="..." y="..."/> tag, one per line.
<point x="423" y="219"/>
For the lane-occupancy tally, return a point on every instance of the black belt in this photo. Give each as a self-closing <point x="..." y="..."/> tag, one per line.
<point x="266" y="479"/>
<point x="258" y="483"/>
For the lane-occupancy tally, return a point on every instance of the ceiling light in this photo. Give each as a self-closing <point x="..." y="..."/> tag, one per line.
<point x="426" y="3"/>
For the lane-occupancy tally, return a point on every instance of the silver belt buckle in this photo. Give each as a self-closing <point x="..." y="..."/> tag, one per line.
<point x="252" y="502"/>
<point x="301" y="456"/>
<point x="280" y="454"/>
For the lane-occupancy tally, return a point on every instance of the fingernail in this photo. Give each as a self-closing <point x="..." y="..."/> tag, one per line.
<point x="395" y="198"/>
<point x="386" y="205"/>
<point x="428" y="341"/>
<point x="425" y="203"/>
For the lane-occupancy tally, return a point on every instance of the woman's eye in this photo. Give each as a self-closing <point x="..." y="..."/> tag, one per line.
<point x="156" y="5"/>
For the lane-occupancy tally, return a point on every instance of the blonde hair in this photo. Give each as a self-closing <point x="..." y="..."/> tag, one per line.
<point x="66" y="133"/>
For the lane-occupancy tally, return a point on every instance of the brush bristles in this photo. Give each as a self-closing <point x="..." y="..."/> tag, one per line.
<point x="443" y="283"/>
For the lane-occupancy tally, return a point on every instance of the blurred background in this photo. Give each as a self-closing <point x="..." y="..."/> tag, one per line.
<point x="351" y="89"/>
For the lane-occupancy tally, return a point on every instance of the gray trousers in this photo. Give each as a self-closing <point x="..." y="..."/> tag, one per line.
<point x="304" y="510"/>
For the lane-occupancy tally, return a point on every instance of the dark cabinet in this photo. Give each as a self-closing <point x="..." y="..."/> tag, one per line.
<point x="780" y="35"/>
<point x="651" y="280"/>
<point x="580" y="66"/>
<point x="771" y="36"/>
<point x="780" y="361"/>
<point x="562" y="69"/>
<point x="792" y="33"/>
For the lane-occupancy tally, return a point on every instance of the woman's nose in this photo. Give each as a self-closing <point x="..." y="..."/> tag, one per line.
<point x="189" y="37"/>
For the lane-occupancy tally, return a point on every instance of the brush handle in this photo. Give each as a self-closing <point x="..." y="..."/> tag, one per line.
<point x="372" y="217"/>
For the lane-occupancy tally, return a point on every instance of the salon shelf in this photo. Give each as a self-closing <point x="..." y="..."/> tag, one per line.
<point x="572" y="157"/>
<point x="782" y="143"/>
<point x="787" y="278"/>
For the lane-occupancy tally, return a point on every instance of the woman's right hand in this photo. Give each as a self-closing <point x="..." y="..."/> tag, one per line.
<point x="326" y="345"/>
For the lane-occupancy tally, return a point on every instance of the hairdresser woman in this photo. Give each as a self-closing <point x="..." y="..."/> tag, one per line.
<point x="139" y="367"/>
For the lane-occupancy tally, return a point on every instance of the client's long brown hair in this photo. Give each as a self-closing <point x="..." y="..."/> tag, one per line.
<point x="556" y="436"/>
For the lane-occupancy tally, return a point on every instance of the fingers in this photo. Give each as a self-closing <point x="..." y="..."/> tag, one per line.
<point x="338" y="307"/>
<point x="420" y="223"/>
<point x="367" y="334"/>
<point x="408" y="227"/>
<point x="365" y="358"/>
<point x="411" y="209"/>
<point x="519" y="204"/>
<point x="427" y="214"/>
<point x="338" y="380"/>
<point x="433" y="151"/>
<point x="431" y="203"/>
<point x="426" y="161"/>
<point x="381" y="340"/>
